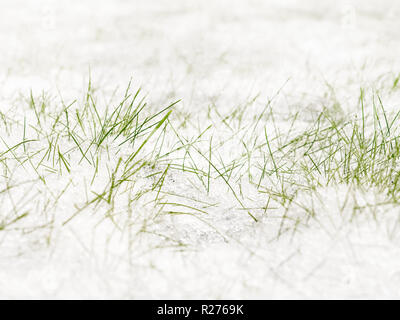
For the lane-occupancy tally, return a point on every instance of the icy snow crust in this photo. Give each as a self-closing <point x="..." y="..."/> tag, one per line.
<point x="193" y="237"/>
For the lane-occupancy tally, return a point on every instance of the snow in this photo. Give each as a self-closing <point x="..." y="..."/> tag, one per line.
<point x="221" y="53"/>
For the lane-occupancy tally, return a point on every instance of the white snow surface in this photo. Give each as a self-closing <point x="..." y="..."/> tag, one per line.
<point x="204" y="52"/>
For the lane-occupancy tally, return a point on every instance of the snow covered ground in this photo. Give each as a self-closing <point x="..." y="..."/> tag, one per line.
<point x="225" y="197"/>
